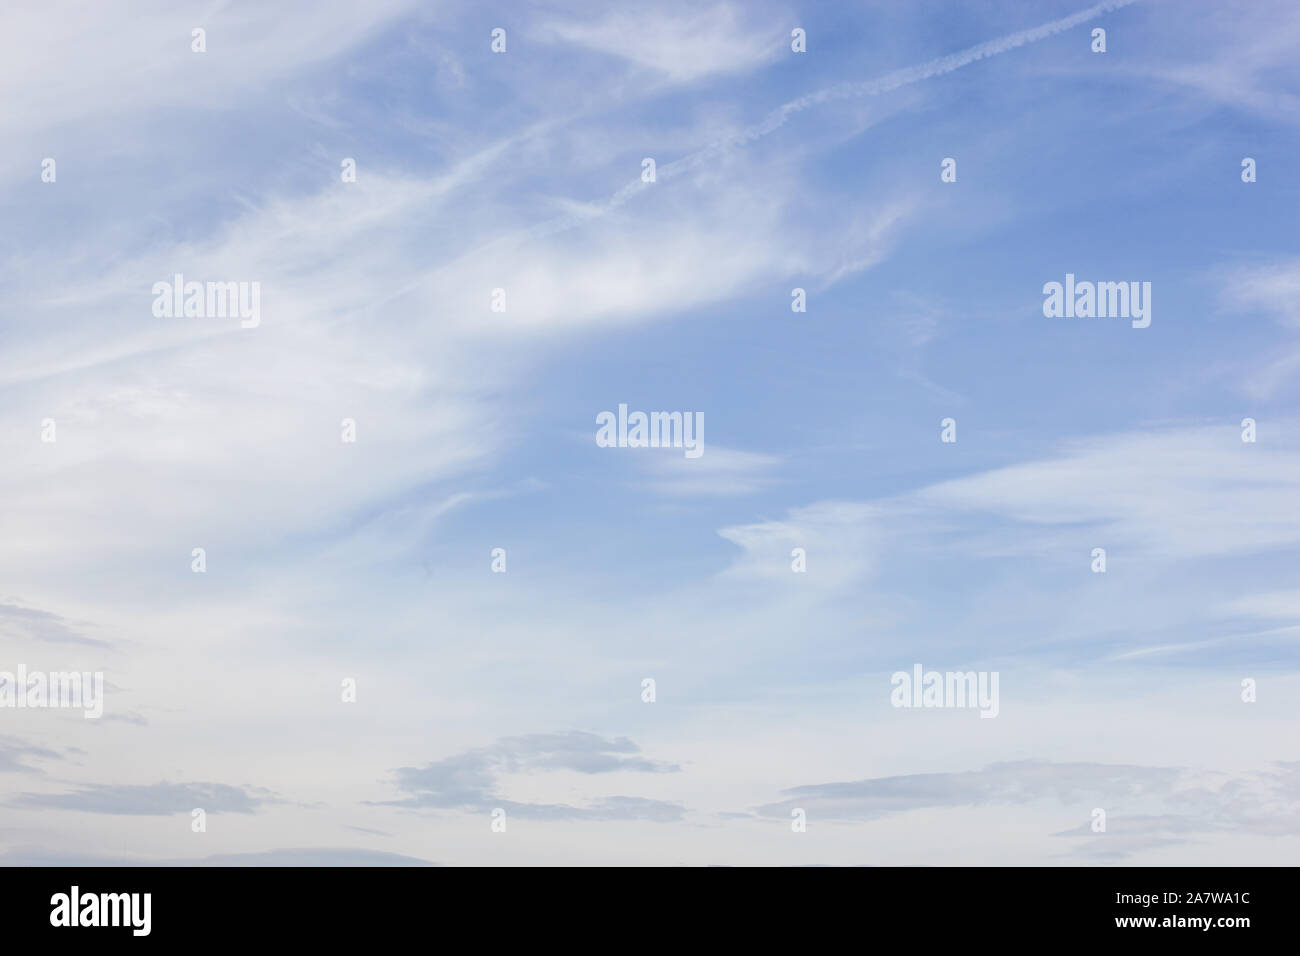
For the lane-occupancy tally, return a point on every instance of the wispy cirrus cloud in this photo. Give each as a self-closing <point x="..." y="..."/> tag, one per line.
<point x="678" y="42"/>
<point x="369" y="560"/>
<point x="1272" y="288"/>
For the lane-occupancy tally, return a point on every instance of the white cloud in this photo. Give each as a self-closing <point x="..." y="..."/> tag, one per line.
<point x="69" y="64"/>
<point x="683" y="43"/>
<point x="718" y="472"/>
<point x="1273" y="288"/>
<point x="841" y="541"/>
<point x="1274" y="605"/>
<point x="1179" y="493"/>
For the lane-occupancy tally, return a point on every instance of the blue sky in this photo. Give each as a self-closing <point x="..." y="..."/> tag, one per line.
<point x="475" y="430"/>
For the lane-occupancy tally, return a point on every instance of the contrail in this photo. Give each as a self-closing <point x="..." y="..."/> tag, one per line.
<point x="778" y="117"/>
<point x="842" y="91"/>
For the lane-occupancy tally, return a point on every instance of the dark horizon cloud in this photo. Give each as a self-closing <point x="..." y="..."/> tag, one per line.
<point x="44" y="626"/>
<point x="158" y="799"/>
<point x="1265" y="803"/>
<point x="292" y="856"/>
<point x="1001" y="783"/>
<point x="13" y="750"/>
<point x="467" y="781"/>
